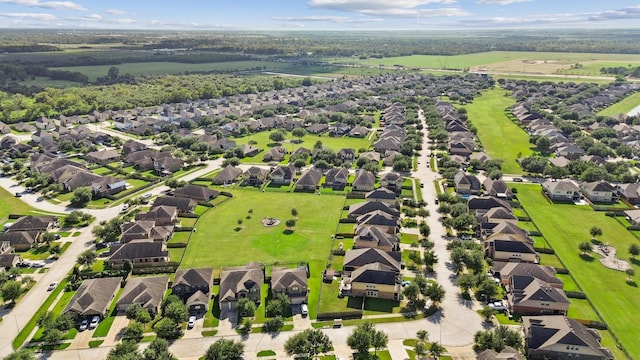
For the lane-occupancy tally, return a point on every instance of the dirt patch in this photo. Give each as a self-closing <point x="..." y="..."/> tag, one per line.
<point x="609" y="259"/>
<point x="270" y="222"/>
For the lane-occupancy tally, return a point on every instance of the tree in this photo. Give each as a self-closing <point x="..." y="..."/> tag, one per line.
<point x="436" y="350"/>
<point x="585" y="247"/>
<point x="87" y="258"/>
<point x="634" y="250"/>
<point x="379" y="340"/>
<point x="542" y="145"/>
<point x="411" y="292"/>
<point x="423" y="335"/>
<point x="48" y="237"/>
<point x="55" y="250"/>
<point x="487" y="313"/>
<point x="290" y="224"/>
<point x="595" y="232"/>
<point x="22" y="354"/>
<point x="176" y="311"/>
<point x="630" y="273"/>
<point x="299" y="133"/>
<point x="158" y="350"/>
<point x="224" y="349"/>
<point x="11" y="290"/>
<point x="52" y="336"/>
<point x="124" y="350"/>
<point x="278" y="306"/>
<point x="246" y="307"/>
<point x="465" y="282"/>
<point x="307" y="81"/>
<point x="276" y="136"/>
<point x="113" y="73"/>
<point x="81" y="197"/>
<point x="436" y="293"/>
<point x="167" y="329"/>
<point x="365" y="336"/>
<point x="249" y="213"/>
<point x="134" y="331"/>
<point x="294" y="213"/>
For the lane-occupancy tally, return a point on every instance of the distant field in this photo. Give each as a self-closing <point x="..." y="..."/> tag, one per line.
<point x="593" y="68"/>
<point x="46" y="82"/>
<point x="565" y="226"/>
<point x="502" y="139"/>
<point x="159" y="68"/>
<point x="622" y="107"/>
<point x="218" y="242"/>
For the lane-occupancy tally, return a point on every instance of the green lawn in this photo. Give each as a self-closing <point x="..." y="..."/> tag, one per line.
<point x="592" y="68"/>
<point x="9" y="204"/>
<point x="219" y="240"/>
<point x="565" y="226"/>
<point x="101" y="170"/>
<point x="486" y="113"/>
<point x="334" y="143"/>
<point x="622" y="107"/>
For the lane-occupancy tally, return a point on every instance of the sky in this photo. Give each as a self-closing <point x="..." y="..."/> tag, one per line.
<point x="319" y="14"/>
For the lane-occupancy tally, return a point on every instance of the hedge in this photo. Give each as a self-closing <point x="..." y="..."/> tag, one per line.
<point x="345" y="315"/>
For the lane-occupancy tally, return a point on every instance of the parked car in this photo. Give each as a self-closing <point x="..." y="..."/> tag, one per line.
<point x="52" y="286"/>
<point x="192" y="322"/>
<point x="37" y="264"/>
<point x="18" y="194"/>
<point x="125" y="207"/>
<point x="517" y="179"/>
<point x="406" y="283"/>
<point x="94" y="322"/>
<point x="147" y="195"/>
<point x="498" y="305"/>
<point x="83" y="325"/>
<point x="304" y="309"/>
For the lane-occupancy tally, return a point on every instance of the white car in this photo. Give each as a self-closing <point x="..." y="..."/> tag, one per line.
<point x="192" y="322"/>
<point x="52" y="286"/>
<point x="37" y="264"/>
<point x="498" y="305"/>
<point x="147" y="195"/>
<point x="304" y="309"/>
<point x="94" y="322"/>
<point x="83" y="325"/>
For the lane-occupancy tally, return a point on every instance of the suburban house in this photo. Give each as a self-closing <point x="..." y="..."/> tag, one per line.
<point x="19" y="240"/>
<point x="228" y="175"/>
<point x="276" y="153"/>
<point x="309" y="180"/>
<point x="37" y="224"/>
<point x="528" y="295"/>
<point x="356" y="258"/>
<point x="138" y="252"/>
<point x="93" y="298"/>
<point x="497" y="188"/>
<point x="132" y="146"/>
<point x="630" y="192"/>
<point x="381" y="220"/>
<point x="392" y="181"/>
<point x="466" y="184"/>
<point x="193" y="286"/>
<point x="508" y="249"/>
<point x="240" y="282"/>
<point x="254" y="176"/>
<point x="481" y="205"/>
<point x="504" y="270"/>
<point x="161" y="215"/>
<point x="364" y="181"/>
<point x="144" y="291"/>
<point x="346" y="154"/>
<point x="563" y="190"/>
<point x="184" y="205"/>
<point x="558" y="337"/>
<point x="145" y="230"/>
<point x="103" y="156"/>
<point x="359" y="131"/>
<point x="290" y="282"/>
<point x="8" y="258"/>
<point x="337" y="178"/>
<point x="107" y="185"/>
<point x="197" y="193"/>
<point x="366" y="207"/>
<point x="382" y="195"/>
<point x="374" y="237"/>
<point x="508" y="353"/>
<point x="282" y="175"/>
<point x="599" y="191"/>
<point x="374" y="280"/>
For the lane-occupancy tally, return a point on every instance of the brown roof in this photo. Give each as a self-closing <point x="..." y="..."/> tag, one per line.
<point x="93" y="296"/>
<point x="146" y="291"/>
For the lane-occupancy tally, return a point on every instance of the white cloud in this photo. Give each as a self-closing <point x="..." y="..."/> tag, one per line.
<point x="500" y="2"/>
<point x="398" y="8"/>
<point x="115" y="11"/>
<point x="69" y="5"/>
<point x="33" y="16"/>
<point x="333" y="19"/>
<point x="92" y="17"/>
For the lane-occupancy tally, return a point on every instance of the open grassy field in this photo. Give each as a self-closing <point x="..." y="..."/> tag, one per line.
<point x="160" y="68"/>
<point x="622" y="107"/>
<point x="9" y="204"/>
<point x="502" y="139"/>
<point x="592" y="68"/>
<point x="219" y="242"/>
<point x="565" y="226"/>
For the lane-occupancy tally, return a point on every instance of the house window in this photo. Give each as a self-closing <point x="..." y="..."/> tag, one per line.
<point x="295" y="289"/>
<point x="372" y="293"/>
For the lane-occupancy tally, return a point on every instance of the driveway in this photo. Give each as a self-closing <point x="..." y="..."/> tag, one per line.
<point x="116" y="332"/>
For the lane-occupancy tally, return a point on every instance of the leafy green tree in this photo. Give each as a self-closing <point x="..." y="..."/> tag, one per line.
<point x="109" y="231"/>
<point x="21" y="354"/>
<point x="134" y="331"/>
<point x="167" y="329"/>
<point x="436" y="350"/>
<point x="411" y="292"/>
<point x="595" y="232"/>
<point x="176" y="311"/>
<point x="277" y="136"/>
<point x="634" y="250"/>
<point x="52" y="336"/>
<point x="11" y="290"/>
<point x="278" y="306"/>
<point x="585" y="247"/>
<point x="487" y="313"/>
<point x="436" y="293"/>
<point x="630" y="274"/>
<point x="466" y="282"/>
<point x="365" y="336"/>
<point x="158" y="350"/>
<point x="299" y="133"/>
<point x="224" y="349"/>
<point x="81" y="197"/>
<point x="379" y="340"/>
<point x="246" y="307"/>
<point x="311" y="341"/>
<point x="291" y="223"/>
<point x="127" y="350"/>
<point x="87" y="258"/>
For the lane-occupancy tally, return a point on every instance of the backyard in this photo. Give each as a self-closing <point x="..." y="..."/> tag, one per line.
<point x="606" y="289"/>
<point x="221" y="241"/>
<point x="487" y="114"/>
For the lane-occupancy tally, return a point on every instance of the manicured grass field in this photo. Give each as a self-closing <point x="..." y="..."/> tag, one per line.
<point x="161" y="68"/>
<point x="334" y="143"/>
<point x="565" y="226"/>
<point x="502" y="139"/>
<point x="11" y="205"/>
<point x="592" y="68"/>
<point x="622" y="107"/>
<point x="219" y="242"/>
